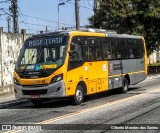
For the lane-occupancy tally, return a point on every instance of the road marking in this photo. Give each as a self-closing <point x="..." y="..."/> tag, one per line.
<point x="89" y="109"/>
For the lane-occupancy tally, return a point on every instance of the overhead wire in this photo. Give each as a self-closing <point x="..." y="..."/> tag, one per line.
<point x="2" y="9"/>
<point x="20" y="14"/>
<point x="90" y="4"/>
<point x="6" y="1"/>
<point x="79" y="5"/>
<point x="46" y="20"/>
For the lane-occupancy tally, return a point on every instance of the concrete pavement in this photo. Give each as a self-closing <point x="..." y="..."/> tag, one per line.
<point x="10" y="100"/>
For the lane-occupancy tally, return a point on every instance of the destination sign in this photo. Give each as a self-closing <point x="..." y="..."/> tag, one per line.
<point x="44" y="41"/>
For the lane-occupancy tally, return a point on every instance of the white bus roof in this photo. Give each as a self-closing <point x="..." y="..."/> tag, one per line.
<point x="108" y="33"/>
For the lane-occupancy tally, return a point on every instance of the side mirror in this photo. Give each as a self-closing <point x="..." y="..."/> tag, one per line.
<point x="72" y="49"/>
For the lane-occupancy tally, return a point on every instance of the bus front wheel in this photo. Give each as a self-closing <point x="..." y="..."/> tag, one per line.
<point x="79" y="95"/>
<point x="125" y="85"/>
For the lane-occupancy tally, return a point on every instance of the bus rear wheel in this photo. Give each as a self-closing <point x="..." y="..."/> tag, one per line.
<point x="125" y="85"/>
<point x="37" y="102"/>
<point x="79" y="95"/>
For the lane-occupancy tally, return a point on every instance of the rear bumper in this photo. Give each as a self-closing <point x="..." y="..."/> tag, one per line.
<point x="54" y="90"/>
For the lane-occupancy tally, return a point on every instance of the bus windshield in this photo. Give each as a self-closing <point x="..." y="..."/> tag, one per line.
<point x="42" y="53"/>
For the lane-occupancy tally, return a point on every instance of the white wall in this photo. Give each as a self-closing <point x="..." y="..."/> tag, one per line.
<point x="154" y="57"/>
<point x="10" y="45"/>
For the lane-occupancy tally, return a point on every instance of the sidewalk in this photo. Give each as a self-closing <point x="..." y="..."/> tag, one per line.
<point x="151" y="76"/>
<point x="10" y="100"/>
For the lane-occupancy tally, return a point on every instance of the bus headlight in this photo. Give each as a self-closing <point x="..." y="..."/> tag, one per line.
<point x="56" y="78"/>
<point x="16" y="81"/>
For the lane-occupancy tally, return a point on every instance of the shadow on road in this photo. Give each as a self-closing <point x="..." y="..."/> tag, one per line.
<point x="60" y="103"/>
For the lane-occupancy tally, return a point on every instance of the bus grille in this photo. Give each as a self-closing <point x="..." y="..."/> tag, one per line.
<point x="34" y="92"/>
<point x="36" y="85"/>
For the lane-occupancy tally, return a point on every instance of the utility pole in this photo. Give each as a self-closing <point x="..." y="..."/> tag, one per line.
<point x="8" y="24"/>
<point x="46" y="29"/>
<point x="15" y="15"/>
<point x="77" y="14"/>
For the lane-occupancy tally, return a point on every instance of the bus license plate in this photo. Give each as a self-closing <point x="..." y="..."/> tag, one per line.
<point x="35" y="96"/>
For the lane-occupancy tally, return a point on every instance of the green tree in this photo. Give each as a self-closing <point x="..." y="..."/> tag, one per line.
<point x="138" y="17"/>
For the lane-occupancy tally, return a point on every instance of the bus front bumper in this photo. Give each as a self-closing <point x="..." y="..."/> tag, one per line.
<point x="54" y="90"/>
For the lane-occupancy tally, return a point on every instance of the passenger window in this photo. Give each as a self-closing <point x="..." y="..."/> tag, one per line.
<point x="106" y="49"/>
<point x="132" y="48"/>
<point x="76" y="49"/>
<point x="122" y="49"/>
<point x="140" y="49"/>
<point x="113" y="46"/>
<point x="109" y="48"/>
<point x="94" y="49"/>
<point x="76" y="57"/>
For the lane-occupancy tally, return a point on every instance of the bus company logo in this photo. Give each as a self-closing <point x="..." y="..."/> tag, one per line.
<point x="111" y="67"/>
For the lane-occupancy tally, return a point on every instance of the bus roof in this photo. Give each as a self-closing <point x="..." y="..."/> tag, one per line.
<point x="89" y="31"/>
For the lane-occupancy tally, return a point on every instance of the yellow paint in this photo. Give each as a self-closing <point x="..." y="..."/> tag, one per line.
<point x="130" y="73"/>
<point x="145" y="56"/>
<point x="49" y="66"/>
<point x="93" y="77"/>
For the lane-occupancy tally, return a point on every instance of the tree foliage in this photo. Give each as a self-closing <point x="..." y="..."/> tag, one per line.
<point x="138" y="17"/>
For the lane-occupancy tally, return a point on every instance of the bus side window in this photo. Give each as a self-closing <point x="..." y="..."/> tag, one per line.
<point x="132" y="48"/>
<point x="140" y="49"/>
<point x="76" y="53"/>
<point x="106" y="49"/>
<point x="76" y="49"/>
<point x="93" y="51"/>
<point x="122" y="48"/>
<point x="113" y="45"/>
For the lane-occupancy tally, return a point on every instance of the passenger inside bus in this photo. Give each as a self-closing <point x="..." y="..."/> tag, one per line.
<point x="118" y="55"/>
<point x="131" y="54"/>
<point x="107" y="55"/>
<point x="89" y="54"/>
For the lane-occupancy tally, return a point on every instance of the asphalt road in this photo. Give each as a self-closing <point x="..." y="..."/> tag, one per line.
<point x="102" y="112"/>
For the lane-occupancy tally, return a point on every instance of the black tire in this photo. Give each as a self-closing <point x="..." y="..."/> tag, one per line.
<point x="79" y="95"/>
<point x="125" y="85"/>
<point x="37" y="102"/>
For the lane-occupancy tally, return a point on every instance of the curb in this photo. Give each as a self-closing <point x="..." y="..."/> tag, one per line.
<point x="13" y="103"/>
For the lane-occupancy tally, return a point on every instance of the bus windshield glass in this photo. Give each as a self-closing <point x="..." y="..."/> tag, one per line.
<point x="42" y="53"/>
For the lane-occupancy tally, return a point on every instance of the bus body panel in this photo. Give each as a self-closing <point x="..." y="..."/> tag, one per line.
<point x="54" y="90"/>
<point x="93" y="74"/>
<point x="115" y="74"/>
<point x="145" y="57"/>
<point x="45" y="80"/>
